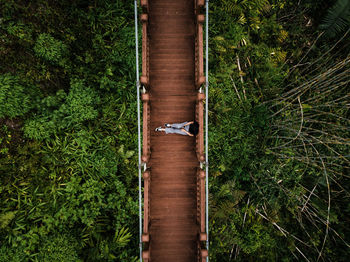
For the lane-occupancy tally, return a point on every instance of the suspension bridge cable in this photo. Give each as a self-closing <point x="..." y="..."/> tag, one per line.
<point x="206" y="121"/>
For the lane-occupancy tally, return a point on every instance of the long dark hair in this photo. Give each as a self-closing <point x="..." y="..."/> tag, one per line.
<point x="194" y="128"/>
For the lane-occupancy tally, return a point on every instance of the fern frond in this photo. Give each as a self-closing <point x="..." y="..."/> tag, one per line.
<point x="122" y="236"/>
<point x="242" y="20"/>
<point x="225" y="209"/>
<point x="283" y="36"/>
<point x="261" y="5"/>
<point x="337" y="19"/>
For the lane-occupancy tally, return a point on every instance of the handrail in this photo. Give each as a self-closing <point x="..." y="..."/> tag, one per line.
<point x="144" y="5"/>
<point x="202" y="205"/>
<point x="145" y="52"/>
<point x="200" y="3"/>
<point x="144" y="80"/>
<point x="204" y="255"/>
<point x="146" y="130"/>
<point x="199" y="119"/>
<point x="198" y="6"/>
<point x="200" y="79"/>
<point x="146" y="175"/>
<point x="146" y="256"/>
<point x="146" y="216"/>
<point x="146" y="178"/>
<point x="198" y="199"/>
<point x="138" y="126"/>
<point x="201" y="191"/>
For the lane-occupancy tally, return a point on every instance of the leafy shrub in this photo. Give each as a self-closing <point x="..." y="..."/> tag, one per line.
<point x="21" y="31"/>
<point x="49" y="48"/>
<point x="15" y="98"/>
<point x="63" y="110"/>
<point x="39" y="128"/>
<point x="60" y="247"/>
<point x="80" y="103"/>
<point x="8" y="254"/>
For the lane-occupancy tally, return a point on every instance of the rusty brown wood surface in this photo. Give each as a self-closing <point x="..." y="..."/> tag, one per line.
<point x="173" y="162"/>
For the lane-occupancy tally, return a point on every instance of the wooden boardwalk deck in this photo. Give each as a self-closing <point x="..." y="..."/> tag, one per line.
<point x="173" y="162"/>
<point x="173" y="225"/>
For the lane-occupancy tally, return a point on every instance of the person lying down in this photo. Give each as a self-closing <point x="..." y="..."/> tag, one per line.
<point x="185" y="128"/>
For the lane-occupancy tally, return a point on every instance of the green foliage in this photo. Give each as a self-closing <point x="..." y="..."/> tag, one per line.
<point x="79" y="103"/>
<point x="122" y="237"/>
<point x="59" y="247"/>
<point x="39" y="128"/>
<point x="12" y="254"/>
<point x="63" y="111"/>
<point x="337" y="19"/>
<point x="6" y="218"/>
<point x="260" y="196"/>
<point x="20" y="30"/>
<point x="67" y="152"/>
<point x="15" y="97"/>
<point x="67" y="160"/>
<point x="247" y="125"/>
<point x="49" y="48"/>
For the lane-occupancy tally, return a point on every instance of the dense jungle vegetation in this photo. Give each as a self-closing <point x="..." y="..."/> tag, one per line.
<point x="279" y="131"/>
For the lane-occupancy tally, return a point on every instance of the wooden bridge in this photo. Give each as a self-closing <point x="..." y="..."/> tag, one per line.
<point x="174" y="184"/>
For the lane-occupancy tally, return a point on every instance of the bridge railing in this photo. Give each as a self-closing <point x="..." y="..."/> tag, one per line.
<point x="146" y="138"/>
<point x="199" y="120"/>
<point x="146" y="216"/>
<point x="202" y="252"/>
<point x="201" y="204"/>
<point x="201" y="192"/>
<point x="199" y="71"/>
<point x="200" y="79"/>
<point x="144" y="79"/>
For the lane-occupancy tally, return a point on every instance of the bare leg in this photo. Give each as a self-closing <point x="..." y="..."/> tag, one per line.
<point x="172" y="130"/>
<point x="160" y="129"/>
<point x="178" y="125"/>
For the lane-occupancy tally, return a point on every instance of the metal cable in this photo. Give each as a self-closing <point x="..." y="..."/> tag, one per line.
<point x="138" y="127"/>
<point x="206" y="122"/>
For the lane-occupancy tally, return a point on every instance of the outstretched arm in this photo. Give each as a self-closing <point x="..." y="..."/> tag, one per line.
<point x="189" y="123"/>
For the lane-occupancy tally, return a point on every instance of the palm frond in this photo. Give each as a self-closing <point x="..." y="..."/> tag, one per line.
<point x="337" y="19"/>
